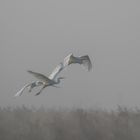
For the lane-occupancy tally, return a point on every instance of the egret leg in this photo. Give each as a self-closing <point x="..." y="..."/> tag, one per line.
<point x="41" y="90"/>
<point x="30" y="89"/>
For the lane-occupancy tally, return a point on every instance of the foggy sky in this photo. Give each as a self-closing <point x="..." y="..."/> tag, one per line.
<point x="37" y="34"/>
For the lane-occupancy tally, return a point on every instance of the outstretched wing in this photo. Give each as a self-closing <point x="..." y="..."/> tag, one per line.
<point x="39" y="76"/>
<point x="56" y="71"/>
<point x="60" y="67"/>
<point x="86" y="62"/>
<point x="19" y="93"/>
<point x="66" y="61"/>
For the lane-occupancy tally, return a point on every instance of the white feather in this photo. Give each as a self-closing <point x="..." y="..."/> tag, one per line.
<point x="56" y="71"/>
<point x="67" y="59"/>
<point x="60" y="67"/>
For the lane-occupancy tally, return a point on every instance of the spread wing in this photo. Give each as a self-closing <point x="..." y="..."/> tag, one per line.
<point x="60" y="67"/>
<point x="39" y="76"/>
<point x="70" y="59"/>
<point x="56" y="71"/>
<point x="67" y="59"/>
<point x="84" y="60"/>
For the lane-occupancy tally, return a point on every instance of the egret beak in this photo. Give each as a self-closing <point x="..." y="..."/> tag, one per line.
<point x="69" y="62"/>
<point x="62" y="77"/>
<point x="55" y="86"/>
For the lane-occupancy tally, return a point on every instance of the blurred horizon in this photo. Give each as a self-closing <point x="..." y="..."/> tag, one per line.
<point x="62" y="124"/>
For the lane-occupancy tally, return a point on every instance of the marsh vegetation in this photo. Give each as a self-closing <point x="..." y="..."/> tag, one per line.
<point x="69" y="124"/>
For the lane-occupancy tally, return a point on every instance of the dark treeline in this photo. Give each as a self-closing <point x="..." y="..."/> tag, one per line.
<point x="75" y="124"/>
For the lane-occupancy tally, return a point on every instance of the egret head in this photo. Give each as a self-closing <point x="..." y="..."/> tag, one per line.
<point x="58" y="79"/>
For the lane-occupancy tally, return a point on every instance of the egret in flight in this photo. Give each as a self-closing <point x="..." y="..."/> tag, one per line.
<point x="52" y="79"/>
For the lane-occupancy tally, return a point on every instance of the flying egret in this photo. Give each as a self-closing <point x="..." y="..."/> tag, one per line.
<point x="51" y="79"/>
<point x="46" y="81"/>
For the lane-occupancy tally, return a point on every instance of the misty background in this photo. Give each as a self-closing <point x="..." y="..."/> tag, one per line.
<point x="37" y="34"/>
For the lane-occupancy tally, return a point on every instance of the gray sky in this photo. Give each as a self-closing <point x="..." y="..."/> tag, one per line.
<point x="37" y="34"/>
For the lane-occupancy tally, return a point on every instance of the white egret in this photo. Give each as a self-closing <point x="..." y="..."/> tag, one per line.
<point x="46" y="81"/>
<point x="51" y="79"/>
